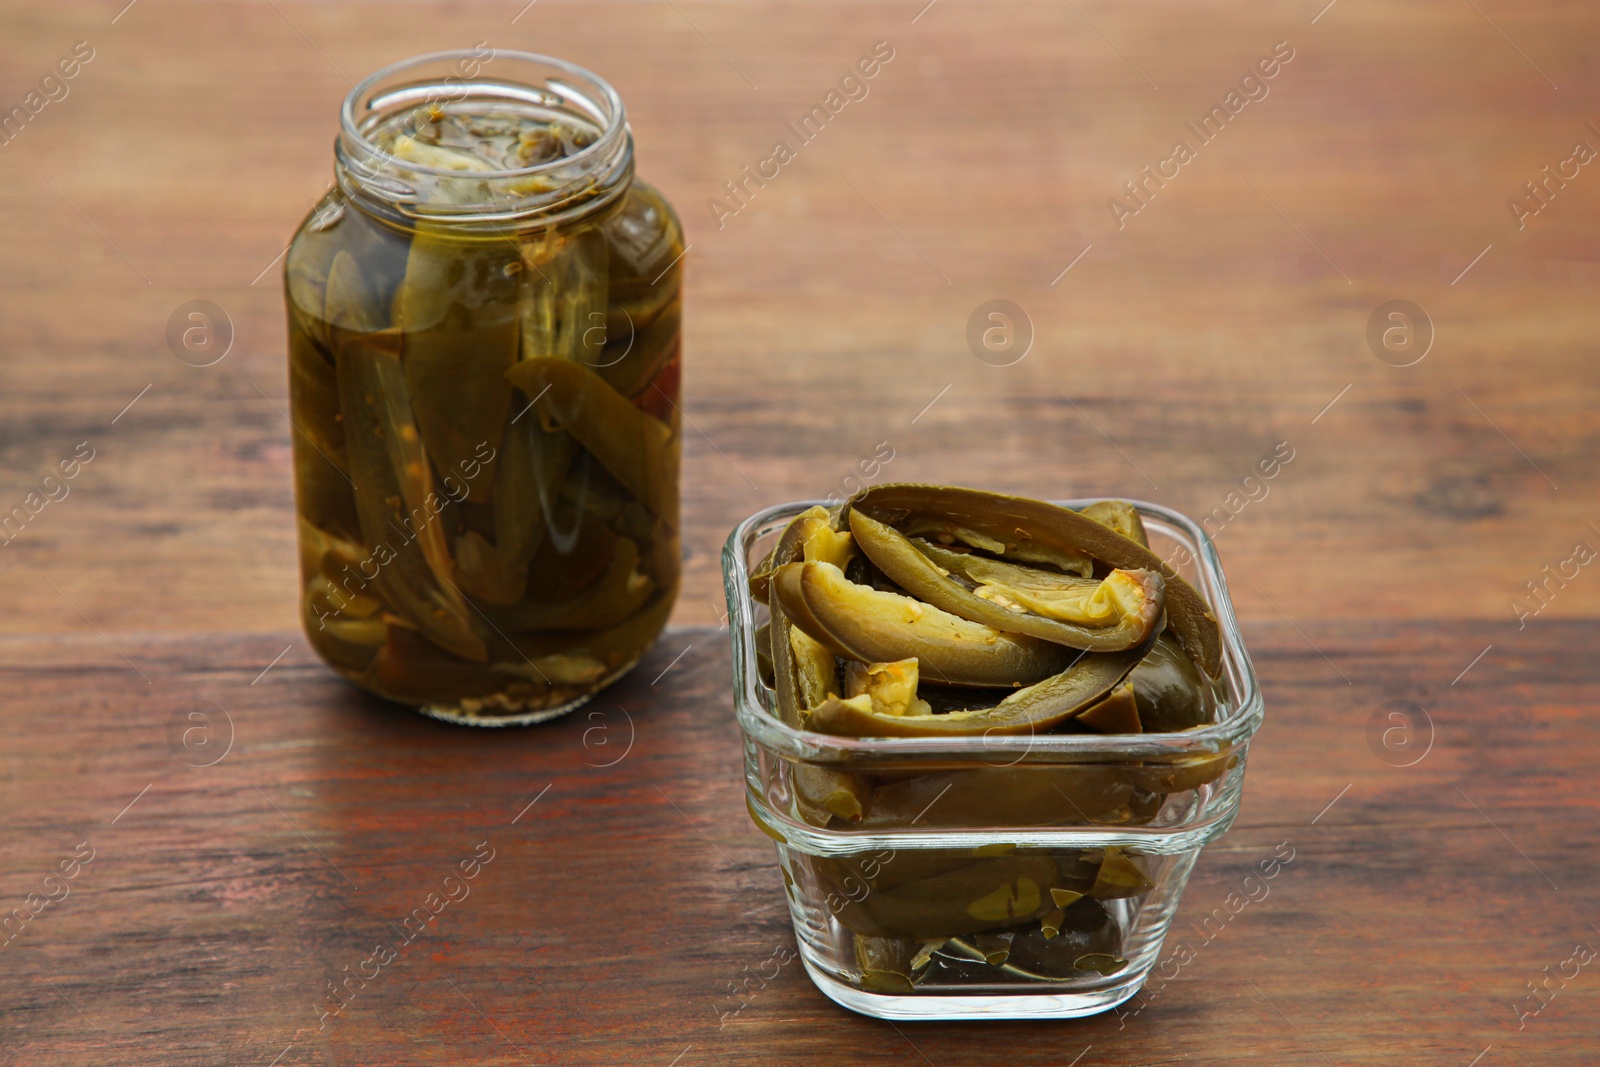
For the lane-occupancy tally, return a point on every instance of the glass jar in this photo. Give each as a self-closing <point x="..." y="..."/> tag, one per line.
<point x="992" y="877"/>
<point x="484" y="377"/>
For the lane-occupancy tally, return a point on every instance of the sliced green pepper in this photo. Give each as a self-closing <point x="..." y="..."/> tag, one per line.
<point x="646" y="252"/>
<point x="616" y="646"/>
<point x="604" y="498"/>
<point x="823" y="543"/>
<point x="635" y="352"/>
<point x="786" y="687"/>
<point x="1032" y="710"/>
<point x="790" y="700"/>
<point x="821" y="794"/>
<point x="962" y="896"/>
<point x="947" y="533"/>
<point x="532" y="461"/>
<point x="815" y="668"/>
<point x="1121" y="516"/>
<point x="1170" y="691"/>
<point x="381" y="251"/>
<point x="457" y="306"/>
<point x="348" y="643"/>
<point x="1086" y="937"/>
<point x="814" y="540"/>
<point x="323" y="492"/>
<point x="343" y="622"/>
<point x="1119" y="876"/>
<point x="412" y="667"/>
<point x="763" y="643"/>
<point x="1116" y="613"/>
<point x="803" y="673"/>
<point x="1115" y="713"/>
<point x="1026" y="526"/>
<point x="612" y="598"/>
<point x="875" y="626"/>
<point x="314" y="396"/>
<point x="1022" y="795"/>
<point x="889" y="964"/>
<point x="1180" y="775"/>
<point x="889" y="688"/>
<point x="995" y="948"/>
<point x="563" y="296"/>
<point x="640" y="451"/>
<point x="349" y="304"/>
<point x="398" y="509"/>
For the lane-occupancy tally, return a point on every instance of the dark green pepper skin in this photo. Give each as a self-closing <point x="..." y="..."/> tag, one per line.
<point x="820" y="794"/>
<point x="1035" y="709"/>
<point x="639" y="450"/>
<point x="1088" y="933"/>
<point x="1023" y="523"/>
<point x="786" y="684"/>
<point x="942" y="893"/>
<point x="1170" y="692"/>
<point x="457" y="309"/>
<point x="413" y="574"/>
<point x="873" y="626"/>
<point x="322" y="468"/>
<point x="960" y="895"/>
<point x="897" y="557"/>
<point x="1023" y="795"/>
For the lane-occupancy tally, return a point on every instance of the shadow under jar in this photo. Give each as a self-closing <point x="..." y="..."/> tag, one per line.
<point x="484" y="376"/>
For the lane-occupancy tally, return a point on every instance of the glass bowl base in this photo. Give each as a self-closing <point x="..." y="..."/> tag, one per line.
<point x="941" y="1007"/>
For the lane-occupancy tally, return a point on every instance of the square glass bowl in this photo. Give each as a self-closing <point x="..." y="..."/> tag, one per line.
<point x="996" y="877"/>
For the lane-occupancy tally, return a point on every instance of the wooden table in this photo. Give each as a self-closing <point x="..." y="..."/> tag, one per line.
<point x="828" y="321"/>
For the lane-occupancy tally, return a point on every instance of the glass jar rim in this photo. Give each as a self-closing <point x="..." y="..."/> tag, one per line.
<point x="616" y="122"/>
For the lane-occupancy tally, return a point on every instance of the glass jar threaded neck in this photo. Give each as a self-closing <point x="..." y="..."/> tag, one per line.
<point x="574" y="156"/>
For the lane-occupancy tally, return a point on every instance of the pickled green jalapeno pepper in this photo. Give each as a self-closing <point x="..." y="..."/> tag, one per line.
<point x="484" y="380"/>
<point x="923" y="611"/>
<point x="1026" y="528"/>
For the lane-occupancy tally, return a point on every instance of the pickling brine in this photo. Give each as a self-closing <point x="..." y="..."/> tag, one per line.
<point x="484" y="380"/>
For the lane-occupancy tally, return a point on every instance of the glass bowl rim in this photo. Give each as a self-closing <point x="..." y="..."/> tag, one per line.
<point x="760" y="725"/>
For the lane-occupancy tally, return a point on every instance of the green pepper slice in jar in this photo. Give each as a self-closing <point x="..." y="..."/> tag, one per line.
<point x="349" y="305"/>
<point x="619" y="592"/>
<point x="563" y="295"/>
<point x="532" y="460"/>
<point x="457" y="306"/>
<point x="640" y="451"/>
<point x="1083" y="936"/>
<point x="398" y="508"/>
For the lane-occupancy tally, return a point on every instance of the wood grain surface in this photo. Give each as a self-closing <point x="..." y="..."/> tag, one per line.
<point x="827" y="325"/>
